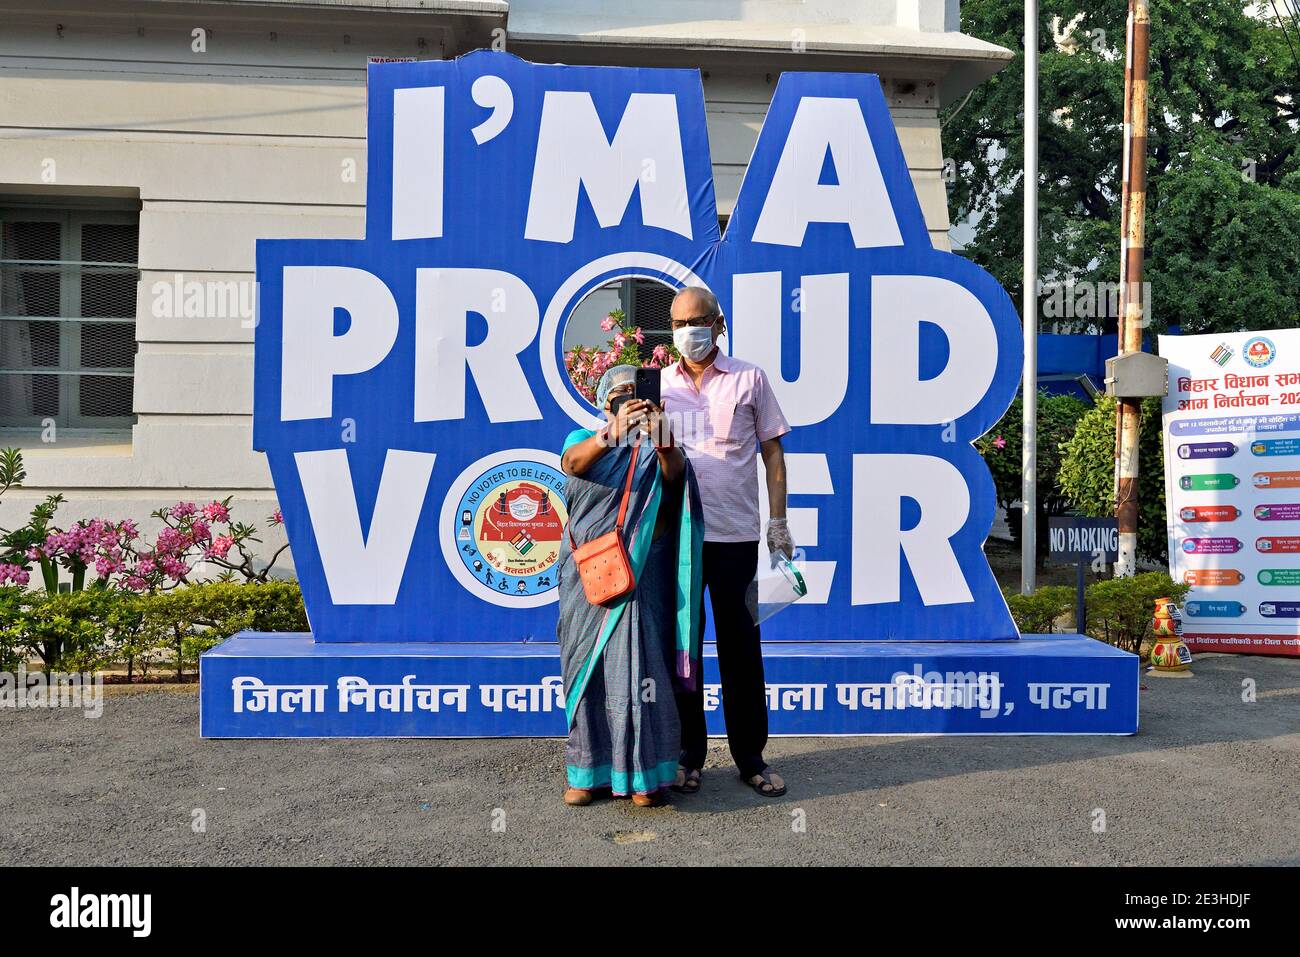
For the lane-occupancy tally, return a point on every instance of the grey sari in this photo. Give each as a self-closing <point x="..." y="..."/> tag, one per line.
<point x="623" y="660"/>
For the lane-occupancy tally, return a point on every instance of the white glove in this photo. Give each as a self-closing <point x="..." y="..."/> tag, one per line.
<point x="778" y="537"/>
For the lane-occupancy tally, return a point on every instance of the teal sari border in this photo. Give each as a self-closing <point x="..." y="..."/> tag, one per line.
<point x="690" y="590"/>
<point x="620" y="782"/>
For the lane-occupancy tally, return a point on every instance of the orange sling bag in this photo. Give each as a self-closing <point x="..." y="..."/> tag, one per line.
<point x="603" y="563"/>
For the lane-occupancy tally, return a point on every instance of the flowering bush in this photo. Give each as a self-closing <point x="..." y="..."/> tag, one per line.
<point x="133" y="611"/>
<point x="191" y="536"/>
<point x="586" y="364"/>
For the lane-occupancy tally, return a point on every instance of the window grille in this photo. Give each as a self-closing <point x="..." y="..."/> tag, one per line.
<point x="68" y="280"/>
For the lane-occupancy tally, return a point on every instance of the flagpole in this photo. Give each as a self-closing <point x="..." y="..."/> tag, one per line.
<point x="1029" y="433"/>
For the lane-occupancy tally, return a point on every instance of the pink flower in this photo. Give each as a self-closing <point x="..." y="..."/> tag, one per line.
<point x="182" y="510"/>
<point x="216" y="512"/>
<point x="175" y="568"/>
<point x="170" y="540"/>
<point x="220" y="546"/>
<point x="660" y="355"/>
<point x="136" y="583"/>
<point x="638" y="335"/>
<point x="608" y="323"/>
<point x="999" y="443"/>
<point x="14" y="574"/>
<point x="277" y="517"/>
<point x="620" y="340"/>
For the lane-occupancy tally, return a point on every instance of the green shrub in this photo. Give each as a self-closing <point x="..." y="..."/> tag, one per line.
<point x="1087" y="474"/>
<point x="1120" y="610"/>
<point x="1057" y="417"/>
<point x="187" y="621"/>
<point x="1036" y="614"/>
<point x="68" y="631"/>
<point x="12" y="651"/>
<point x="91" y="629"/>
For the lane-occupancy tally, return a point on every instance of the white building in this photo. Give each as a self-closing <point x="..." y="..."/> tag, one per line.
<point x="145" y="145"/>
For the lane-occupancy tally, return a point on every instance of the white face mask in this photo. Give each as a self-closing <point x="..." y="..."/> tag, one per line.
<point x="694" y="342"/>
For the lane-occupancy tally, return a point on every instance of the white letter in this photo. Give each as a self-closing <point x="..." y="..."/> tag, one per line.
<point x="311" y="355"/>
<point x="59" y="916"/>
<point x="572" y="151"/>
<point x="364" y="569"/>
<point x="860" y="198"/>
<point x="443" y="300"/>
<point x="142" y="919"/>
<point x="899" y="304"/>
<point x="807" y="473"/>
<point x="880" y="482"/>
<point x="417" y="162"/>
<point x="823" y="340"/>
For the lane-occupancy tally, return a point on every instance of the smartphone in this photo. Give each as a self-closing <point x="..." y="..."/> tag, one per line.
<point x="647" y="385"/>
<point x="616" y="403"/>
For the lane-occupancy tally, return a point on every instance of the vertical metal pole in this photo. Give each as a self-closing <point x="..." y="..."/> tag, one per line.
<point x="1029" y="434"/>
<point x="1080" y="608"/>
<point x="1128" y="412"/>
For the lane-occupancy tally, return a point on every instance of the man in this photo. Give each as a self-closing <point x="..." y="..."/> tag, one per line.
<point x="724" y="411"/>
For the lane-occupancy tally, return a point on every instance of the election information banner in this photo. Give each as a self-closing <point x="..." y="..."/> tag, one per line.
<point x="1232" y="487"/>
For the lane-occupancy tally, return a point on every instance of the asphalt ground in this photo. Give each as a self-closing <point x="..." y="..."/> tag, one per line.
<point x="1211" y="778"/>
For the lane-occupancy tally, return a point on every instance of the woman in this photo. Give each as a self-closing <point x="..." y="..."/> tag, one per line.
<point x="621" y="659"/>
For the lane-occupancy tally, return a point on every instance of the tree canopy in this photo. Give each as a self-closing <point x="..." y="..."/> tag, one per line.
<point x="1223" y="205"/>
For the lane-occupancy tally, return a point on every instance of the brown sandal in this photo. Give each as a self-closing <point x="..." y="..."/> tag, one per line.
<point x="648" y="800"/>
<point x="578" y="797"/>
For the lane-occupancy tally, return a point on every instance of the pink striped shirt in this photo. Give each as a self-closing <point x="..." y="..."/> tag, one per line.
<point x="719" y="426"/>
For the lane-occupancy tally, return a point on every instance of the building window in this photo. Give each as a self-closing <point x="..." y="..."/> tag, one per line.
<point x="68" y="279"/>
<point x="647" y="304"/>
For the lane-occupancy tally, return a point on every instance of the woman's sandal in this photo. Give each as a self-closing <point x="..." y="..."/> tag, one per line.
<point x="648" y="800"/>
<point x="578" y="797"/>
<point x="764" y="785"/>
<point x="690" y="781"/>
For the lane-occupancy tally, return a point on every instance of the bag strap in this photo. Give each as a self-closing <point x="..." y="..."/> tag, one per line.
<point x="627" y="492"/>
<point x="627" y="487"/>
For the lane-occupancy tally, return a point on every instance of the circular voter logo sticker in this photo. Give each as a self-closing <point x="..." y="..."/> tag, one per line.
<point x="502" y="523"/>
<point x="1259" y="352"/>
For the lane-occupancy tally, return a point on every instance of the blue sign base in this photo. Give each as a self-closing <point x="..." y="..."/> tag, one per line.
<point x="257" y="685"/>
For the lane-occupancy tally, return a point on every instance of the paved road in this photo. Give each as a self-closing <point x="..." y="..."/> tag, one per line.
<point x="124" y="789"/>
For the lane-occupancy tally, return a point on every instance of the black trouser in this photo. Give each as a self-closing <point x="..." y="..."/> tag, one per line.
<point x="729" y="567"/>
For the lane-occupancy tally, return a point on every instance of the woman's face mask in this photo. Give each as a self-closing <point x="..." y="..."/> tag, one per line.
<point x="694" y="342"/>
